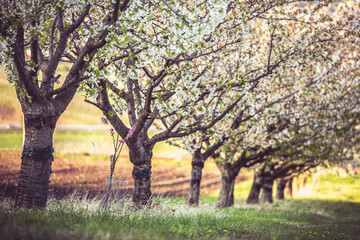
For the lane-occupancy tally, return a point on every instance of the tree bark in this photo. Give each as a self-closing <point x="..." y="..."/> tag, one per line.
<point x="140" y="157"/>
<point x="266" y="195"/>
<point x="228" y="176"/>
<point x="255" y="189"/>
<point x="142" y="184"/>
<point x="281" y="184"/>
<point x="197" y="164"/>
<point x="289" y="188"/>
<point x="37" y="157"/>
<point x="226" y="197"/>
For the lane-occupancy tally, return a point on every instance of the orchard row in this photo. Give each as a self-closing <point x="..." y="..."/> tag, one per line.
<point x="271" y="85"/>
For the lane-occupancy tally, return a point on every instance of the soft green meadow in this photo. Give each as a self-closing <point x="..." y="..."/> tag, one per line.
<point x="310" y="217"/>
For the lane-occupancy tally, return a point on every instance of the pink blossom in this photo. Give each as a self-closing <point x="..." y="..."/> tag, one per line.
<point x="130" y="133"/>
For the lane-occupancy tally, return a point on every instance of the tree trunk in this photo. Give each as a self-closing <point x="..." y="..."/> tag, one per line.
<point x="142" y="184"/>
<point x="255" y="189"/>
<point x="197" y="164"/>
<point x="228" y="176"/>
<point x="140" y="157"/>
<point x="37" y="157"/>
<point x="281" y="184"/>
<point x="226" y="197"/>
<point x="266" y="195"/>
<point x="289" y="188"/>
<point x="303" y="182"/>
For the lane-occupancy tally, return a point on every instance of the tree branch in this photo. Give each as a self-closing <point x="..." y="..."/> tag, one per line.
<point x="64" y="87"/>
<point x="210" y="151"/>
<point x="109" y="112"/>
<point x="20" y="64"/>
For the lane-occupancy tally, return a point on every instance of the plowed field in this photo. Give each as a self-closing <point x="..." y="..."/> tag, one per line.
<point x="68" y="175"/>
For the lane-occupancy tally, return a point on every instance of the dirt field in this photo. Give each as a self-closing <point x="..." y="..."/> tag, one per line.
<point x="69" y="175"/>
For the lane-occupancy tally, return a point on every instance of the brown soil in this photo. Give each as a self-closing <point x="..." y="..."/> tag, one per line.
<point x="10" y="114"/>
<point x="69" y="175"/>
<point x="6" y="112"/>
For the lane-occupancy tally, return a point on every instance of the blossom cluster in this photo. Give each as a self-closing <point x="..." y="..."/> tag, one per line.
<point x="130" y="133"/>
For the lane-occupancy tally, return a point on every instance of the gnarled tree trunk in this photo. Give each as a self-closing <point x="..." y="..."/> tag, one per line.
<point x="255" y="189"/>
<point x="281" y="184"/>
<point x="197" y="164"/>
<point x="37" y="157"/>
<point x="266" y="195"/>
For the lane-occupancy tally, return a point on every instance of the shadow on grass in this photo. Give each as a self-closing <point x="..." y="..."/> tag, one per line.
<point x="302" y="219"/>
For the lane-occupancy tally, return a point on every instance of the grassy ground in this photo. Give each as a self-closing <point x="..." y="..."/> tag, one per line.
<point x="298" y="218"/>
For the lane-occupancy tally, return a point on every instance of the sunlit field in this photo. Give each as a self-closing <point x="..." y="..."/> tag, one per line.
<point x="85" y="142"/>
<point x="77" y="112"/>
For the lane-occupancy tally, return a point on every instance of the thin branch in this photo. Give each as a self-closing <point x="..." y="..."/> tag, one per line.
<point x="177" y="14"/>
<point x="92" y="103"/>
<point x="213" y="148"/>
<point x="109" y="112"/>
<point x="270" y="49"/>
<point x="80" y="19"/>
<point x="64" y="87"/>
<point x="51" y="39"/>
<point x="117" y="91"/>
<point x="61" y="20"/>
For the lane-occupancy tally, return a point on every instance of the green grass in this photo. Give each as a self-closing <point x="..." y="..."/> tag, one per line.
<point x="64" y="141"/>
<point x="79" y="218"/>
<point x="172" y="219"/>
<point x="345" y="188"/>
<point x="11" y="139"/>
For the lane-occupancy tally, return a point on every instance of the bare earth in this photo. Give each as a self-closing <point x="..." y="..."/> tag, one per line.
<point x="69" y="175"/>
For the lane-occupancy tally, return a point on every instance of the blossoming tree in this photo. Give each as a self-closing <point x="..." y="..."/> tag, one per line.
<point x="161" y="76"/>
<point x="258" y="138"/>
<point x="49" y="32"/>
<point x="282" y="43"/>
<point x="160" y="70"/>
<point x="319" y="122"/>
